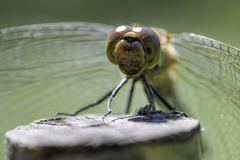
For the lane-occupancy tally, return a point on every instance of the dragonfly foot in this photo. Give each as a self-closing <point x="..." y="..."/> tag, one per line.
<point x="105" y="116"/>
<point x="66" y="114"/>
<point x="141" y="111"/>
<point x="178" y="112"/>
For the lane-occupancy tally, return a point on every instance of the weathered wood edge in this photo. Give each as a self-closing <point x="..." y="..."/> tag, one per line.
<point x="63" y="134"/>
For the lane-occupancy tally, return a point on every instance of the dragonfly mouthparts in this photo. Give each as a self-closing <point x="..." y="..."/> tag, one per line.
<point x="130" y="39"/>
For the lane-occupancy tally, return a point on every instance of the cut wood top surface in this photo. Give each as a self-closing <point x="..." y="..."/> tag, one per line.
<point x="90" y="131"/>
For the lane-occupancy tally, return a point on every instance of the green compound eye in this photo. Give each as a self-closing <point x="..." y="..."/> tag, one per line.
<point x="151" y="44"/>
<point x="114" y="37"/>
<point x="133" y="48"/>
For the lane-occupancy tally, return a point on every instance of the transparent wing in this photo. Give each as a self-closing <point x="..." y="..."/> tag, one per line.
<point x="208" y="88"/>
<point x="55" y="67"/>
<point x="52" y="67"/>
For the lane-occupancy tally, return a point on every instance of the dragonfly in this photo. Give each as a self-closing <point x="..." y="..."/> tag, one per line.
<point x="60" y="65"/>
<point x="136" y="50"/>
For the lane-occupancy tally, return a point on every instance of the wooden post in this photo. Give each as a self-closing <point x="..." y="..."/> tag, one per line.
<point x="125" y="137"/>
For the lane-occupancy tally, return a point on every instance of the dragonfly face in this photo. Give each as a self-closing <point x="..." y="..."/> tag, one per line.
<point x="50" y="67"/>
<point x="133" y="48"/>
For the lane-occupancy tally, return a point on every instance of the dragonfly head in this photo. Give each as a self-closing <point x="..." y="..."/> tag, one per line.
<point x="133" y="48"/>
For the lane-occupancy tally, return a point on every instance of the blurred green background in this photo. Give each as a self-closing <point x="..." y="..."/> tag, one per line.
<point x="215" y="19"/>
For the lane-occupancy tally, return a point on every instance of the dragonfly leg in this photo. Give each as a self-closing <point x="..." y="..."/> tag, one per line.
<point x="151" y="94"/>
<point x="166" y="103"/>
<point x="149" y="97"/>
<point x="88" y="106"/>
<point x="114" y="92"/>
<point x="130" y="95"/>
<point x="160" y="97"/>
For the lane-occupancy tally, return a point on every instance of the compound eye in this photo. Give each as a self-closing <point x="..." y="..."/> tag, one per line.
<point x="151" y="44"/>
<point x="114" y="37"/>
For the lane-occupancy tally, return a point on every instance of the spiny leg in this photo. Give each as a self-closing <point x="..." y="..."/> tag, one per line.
<point x="130" y="95"/>
<point x="114" y="92"/>
<point x="148" y="87"/>
<point x="88" y="106"/>
<point x="166" y="103"/>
